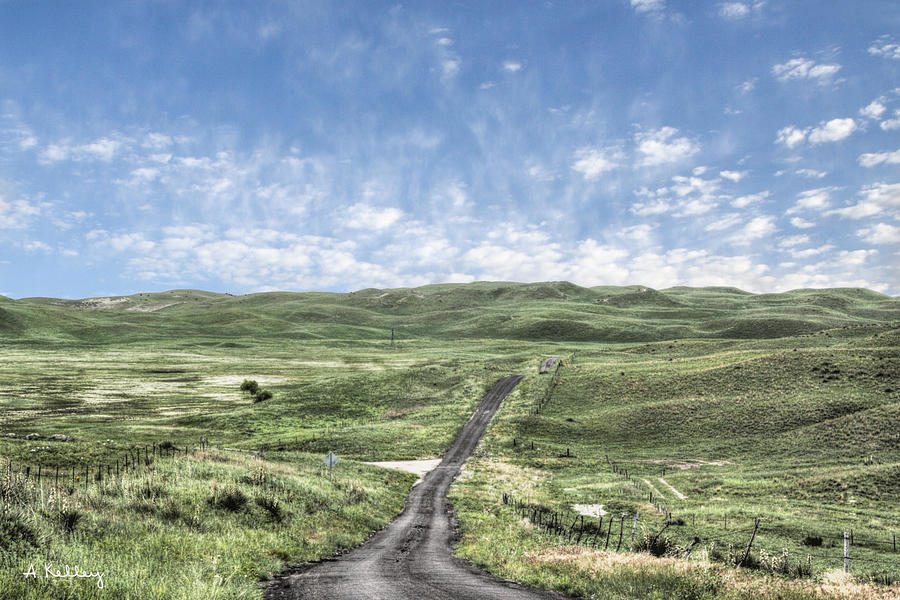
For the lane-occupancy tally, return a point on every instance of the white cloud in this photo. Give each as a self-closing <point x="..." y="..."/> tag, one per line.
<point x="791" y="136"/>
<point x="832" y="131"/>
<point x="885" y="47"/>
<point x="793" y="240"/>
<point x="747" y="200"/>
<point x="648" y="6"/>
<point x="757" y="228"/>
<point x="817" y="199"/>
<point x="880" y="233"/>
<point x="593" y="162"/>
<point x="801" y="223"/>
<point x="725" y="222"/>
<point x="878" y="158"/>
<point x="873" y="110"/>
<point x="803" y="68"/>
<point x="892" y="124"/>
<point x="17" y="213"/>
<point x="810" y="173"/>
<point x="876" y="199"/>
<point x="366" y="216"/>
<point x="37" y="246"/>
<point x="661" y="147"/>
<point x="807" y="252"/>
<point x="734" y="176"/>
<point x="512" y="66"/>
<point x="747" y="86"/>
<point x="642" y="233"/>
<point x="734" y="10"/>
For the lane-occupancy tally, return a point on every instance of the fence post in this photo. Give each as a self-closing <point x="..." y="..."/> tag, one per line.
<point x="752" y="537"/>
<point x="846" y="552"/>
<point x="621" y="527"/>
<point x="634" y="530"/>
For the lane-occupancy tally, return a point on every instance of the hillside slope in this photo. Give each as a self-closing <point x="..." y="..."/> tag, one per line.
<point x="534" y="311"/>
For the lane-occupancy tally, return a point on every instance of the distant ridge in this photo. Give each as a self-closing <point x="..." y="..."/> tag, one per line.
<point x="556" y="310"/>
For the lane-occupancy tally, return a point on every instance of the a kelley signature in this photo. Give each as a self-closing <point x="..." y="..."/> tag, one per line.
<point x="64" y="573"/>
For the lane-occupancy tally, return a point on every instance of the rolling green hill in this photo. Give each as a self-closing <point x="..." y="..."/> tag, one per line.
<point x="558" y="311"/>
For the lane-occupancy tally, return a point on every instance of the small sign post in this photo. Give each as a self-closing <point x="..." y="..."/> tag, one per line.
<point x="330" y="460"/>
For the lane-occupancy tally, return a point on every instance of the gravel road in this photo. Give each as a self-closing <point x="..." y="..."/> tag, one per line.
<point x="411" y="558"/>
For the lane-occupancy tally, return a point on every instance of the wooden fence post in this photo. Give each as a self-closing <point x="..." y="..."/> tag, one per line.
<point x="752" y="537"/>
<point x="846" y="552"/>
<point x="634" y="530"/>
<point x="621" y="527"/>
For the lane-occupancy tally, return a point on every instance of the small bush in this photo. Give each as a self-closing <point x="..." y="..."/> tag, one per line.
<point x="231" y="499"/>
<point x="249" y="385"/>
<point x="882" y="577"/>
<point x="68" y="518"/>
<point x="812" y="540"/>
<point x="272" y="507"/>
<point x="657" y="545"/>
<point x="262" y="395"/>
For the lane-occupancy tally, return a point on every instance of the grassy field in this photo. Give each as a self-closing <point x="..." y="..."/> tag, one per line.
<point x="782" y="406"/>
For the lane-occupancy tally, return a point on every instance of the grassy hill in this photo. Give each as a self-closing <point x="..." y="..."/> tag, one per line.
<point x="558" y="311"/>
<point x="778" y="406"/>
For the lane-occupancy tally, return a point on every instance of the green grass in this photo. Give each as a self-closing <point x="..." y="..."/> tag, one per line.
<point x="171" y="532"/>
<point x="800" y="432"/>
<point x="778" y="406"/>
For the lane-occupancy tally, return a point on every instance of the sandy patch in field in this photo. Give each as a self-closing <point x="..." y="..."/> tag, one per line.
<point x="100" y="302"/>
<point x="653" y="488"/>
<point x="589" y="510"/>
<point x="237" y="380"/>
<point x="690" y="463"/>
<point x="152" y="308"/>
<point x="669" y="485"/>
<point x="418" y="467"/>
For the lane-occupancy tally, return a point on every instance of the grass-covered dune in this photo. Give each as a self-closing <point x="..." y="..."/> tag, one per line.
<point x="537" y="311"/>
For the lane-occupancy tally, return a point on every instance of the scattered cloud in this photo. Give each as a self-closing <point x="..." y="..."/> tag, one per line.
<point x="734" y="176"/>
<point x="733" y="10"/>
<point x="872" y="159"/>
<point x="801" y="223"/>
<point x="886" y="47"/>
<point x="648" y="6"/>
<point x="791" y="136"/>
<point x="810" y="173"/>
<point x="726" y="221"/>
<point x="804" y="68"/>
<point x="793" y="240"/>
<point x="834" y="130"/>
<point x="876" y="199"/>
<point x="512" y="66"/>
<point x="748" y="199"/>
<point x="873" y="110"/>
<point x="816" y="200"/>
<point x="880" y="233"/>
<point x="366" y="216"/>
<point x="892" y="124"/>
<point x="593" y="162"/>
<point x="757" y="228"/>
<point x="661" y="146"/>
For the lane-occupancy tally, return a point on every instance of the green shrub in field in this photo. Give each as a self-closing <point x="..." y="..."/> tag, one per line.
<point x="657" y="545"/>
<point x="262" y="395"/>
<point x="272" y="506"/>
<point x="16" y="535"/>
<point x="231" y="499"/>
<point x="249" y="385"/>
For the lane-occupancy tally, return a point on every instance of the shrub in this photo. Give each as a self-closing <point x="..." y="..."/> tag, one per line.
<point x="249" y="385"/>
<point x="657" y="545"/>
<point x="68" y="518"/>
<point x="812" y="540"/>
<point x="231" y="499"/>
<point x="272" y="507"/>
<point x="262" y="395"/>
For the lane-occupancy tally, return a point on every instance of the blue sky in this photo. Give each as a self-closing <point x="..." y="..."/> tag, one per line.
<point x="248" y="146"/>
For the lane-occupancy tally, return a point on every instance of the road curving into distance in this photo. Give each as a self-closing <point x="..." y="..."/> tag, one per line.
<point x="411" y="558"/>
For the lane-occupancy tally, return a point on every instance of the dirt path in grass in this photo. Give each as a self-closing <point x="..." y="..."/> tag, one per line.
<point x="411" y="558"/>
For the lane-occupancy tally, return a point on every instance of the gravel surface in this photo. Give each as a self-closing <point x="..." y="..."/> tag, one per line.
<point x="411" y="558"/>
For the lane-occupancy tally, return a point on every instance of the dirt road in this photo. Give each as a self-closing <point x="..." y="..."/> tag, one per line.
<point x="411" y="558"/>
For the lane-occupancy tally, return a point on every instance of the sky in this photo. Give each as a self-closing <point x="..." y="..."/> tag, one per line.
<point x="252" y="146"/>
